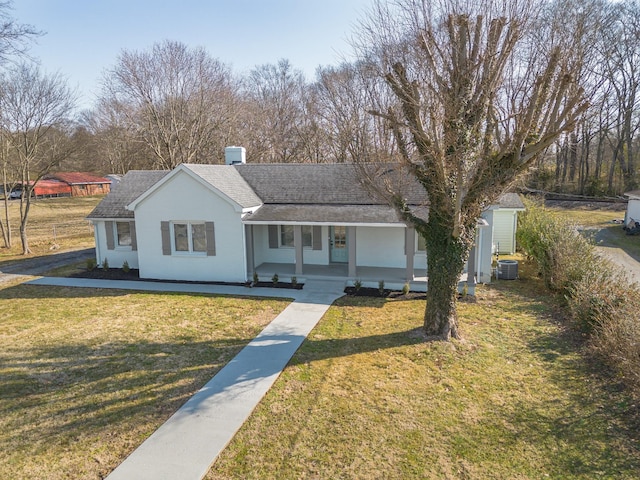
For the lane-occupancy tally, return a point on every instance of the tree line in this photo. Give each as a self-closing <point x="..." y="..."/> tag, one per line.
<point x="173" y="103"/>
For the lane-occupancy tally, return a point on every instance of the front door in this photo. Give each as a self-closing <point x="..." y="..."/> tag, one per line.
<point x="338" y="241"/>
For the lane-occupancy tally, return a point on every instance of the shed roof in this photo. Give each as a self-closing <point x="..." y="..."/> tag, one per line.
<point x="78" y="178"/>
<point x="510" y="201"/>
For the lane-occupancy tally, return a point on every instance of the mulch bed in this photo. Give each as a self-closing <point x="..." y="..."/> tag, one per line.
<point x="134" y="274"/>
<point x="386" y="293"/>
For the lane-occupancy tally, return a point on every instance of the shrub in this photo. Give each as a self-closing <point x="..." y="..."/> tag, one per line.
<point x="275" y="279"/>
<point x="562" y="255"/>
<point x="91" y="263"/>
<point x="405" y="288"/>
<point x="381" y="287"/>
<point x="105" y="264"/>
<point x="294" y="282"/>
<point x="255" y="278"/>
<point x="607" y="307"/>
<point x="357" y="285"/>
<point x="602" y="302"/>
<point x="125" y="267"/>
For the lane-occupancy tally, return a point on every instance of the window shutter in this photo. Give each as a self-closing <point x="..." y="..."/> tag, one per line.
<point x="273" y="236"/>
<point x="134" y="238"/>
<point x="211" y="239"/>
<point x="166" y="238"/>
<point x="110" y="240"/>
<point x="317" y="237"/>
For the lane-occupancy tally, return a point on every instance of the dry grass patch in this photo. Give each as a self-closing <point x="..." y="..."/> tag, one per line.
<point x="57" y="223"/>
<point x="588" y="217"/>
<point x="366" y="397"/>
<point x="88" y="374"/>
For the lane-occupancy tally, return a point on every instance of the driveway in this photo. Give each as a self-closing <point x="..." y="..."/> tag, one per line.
<point x="616" y="255"/>
<point x="40" y="265"/>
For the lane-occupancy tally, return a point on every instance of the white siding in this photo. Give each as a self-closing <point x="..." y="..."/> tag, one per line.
<point x="504" y="230"/>
<point x="633" y="210"/>
<point x="484" y="258"/>
<point x="115" y="257"/>
<point x="381" y="247"/>
<point x="183" y="199"/>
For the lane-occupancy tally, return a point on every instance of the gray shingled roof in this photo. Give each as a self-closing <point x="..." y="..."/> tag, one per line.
<point x="323" y="193"/>
<point x="279" y="213"/>
<point x="132" y="185"/>
<point x="228" y="181"/>
<point x="326" y="184"/>
<point x="510" y="200"/>
<point x="336" y="214"/>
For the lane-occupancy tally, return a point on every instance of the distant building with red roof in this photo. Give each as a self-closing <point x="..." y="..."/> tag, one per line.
<point x="78" y="184"/>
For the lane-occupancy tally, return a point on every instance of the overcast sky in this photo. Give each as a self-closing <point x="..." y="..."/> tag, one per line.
<point x="84" y="37"/>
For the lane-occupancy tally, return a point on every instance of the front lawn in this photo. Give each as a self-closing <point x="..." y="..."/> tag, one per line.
<point x="365" y="397"/>
<point x="88" y="374"/>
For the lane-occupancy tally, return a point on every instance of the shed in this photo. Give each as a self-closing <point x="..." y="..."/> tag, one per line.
<point x="51" y="188"/>
<point x="633" y="207"/>
<point x="83" y="184"/>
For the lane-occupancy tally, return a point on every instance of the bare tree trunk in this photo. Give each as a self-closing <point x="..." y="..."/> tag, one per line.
<point x="25" y="206"/>
<point x="6" y="232"/>
<point x="573" y="156"/>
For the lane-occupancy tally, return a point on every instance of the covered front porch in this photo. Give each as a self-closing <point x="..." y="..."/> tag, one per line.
<point x="394" y="278"/>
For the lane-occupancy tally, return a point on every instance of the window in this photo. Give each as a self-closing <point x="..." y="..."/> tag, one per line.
<point x="189" y="237"/>
<point x="286" y="236"/>
<point x="123" y="234"/>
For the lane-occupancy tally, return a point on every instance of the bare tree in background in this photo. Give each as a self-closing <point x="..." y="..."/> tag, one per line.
<point x="343" y="96"/>
<point x="34" y="113"/>
<point x="275" y="102"/>
<point x="178" y="100"/>
<point x="474" y="103"/>
<point x="15" y="40"/>
<point x="118" y="148"/>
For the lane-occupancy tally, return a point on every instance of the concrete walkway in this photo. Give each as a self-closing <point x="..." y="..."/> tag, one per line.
<point x="187" y="444"/>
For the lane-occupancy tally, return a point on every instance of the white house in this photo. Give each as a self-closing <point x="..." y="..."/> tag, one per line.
<point x="225" y="222"/>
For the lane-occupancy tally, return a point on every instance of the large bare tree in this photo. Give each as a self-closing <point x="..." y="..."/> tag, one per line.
<point x="179" y="100"/>
<point x="34" y="115"/>
<point x="275" y="103"/>
<point x="475" y="100"/>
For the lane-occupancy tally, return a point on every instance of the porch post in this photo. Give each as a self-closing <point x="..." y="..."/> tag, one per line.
<point x="297" y="242"/>
<point x="351" y="243"/>
<point x="471" y="271"/>
<point x="251" y="266"/>
<point x="410" y="250"/>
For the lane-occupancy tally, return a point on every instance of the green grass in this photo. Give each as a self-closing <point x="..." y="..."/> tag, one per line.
<point x="366" y="397"/>
<point x="88" y="374"/>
